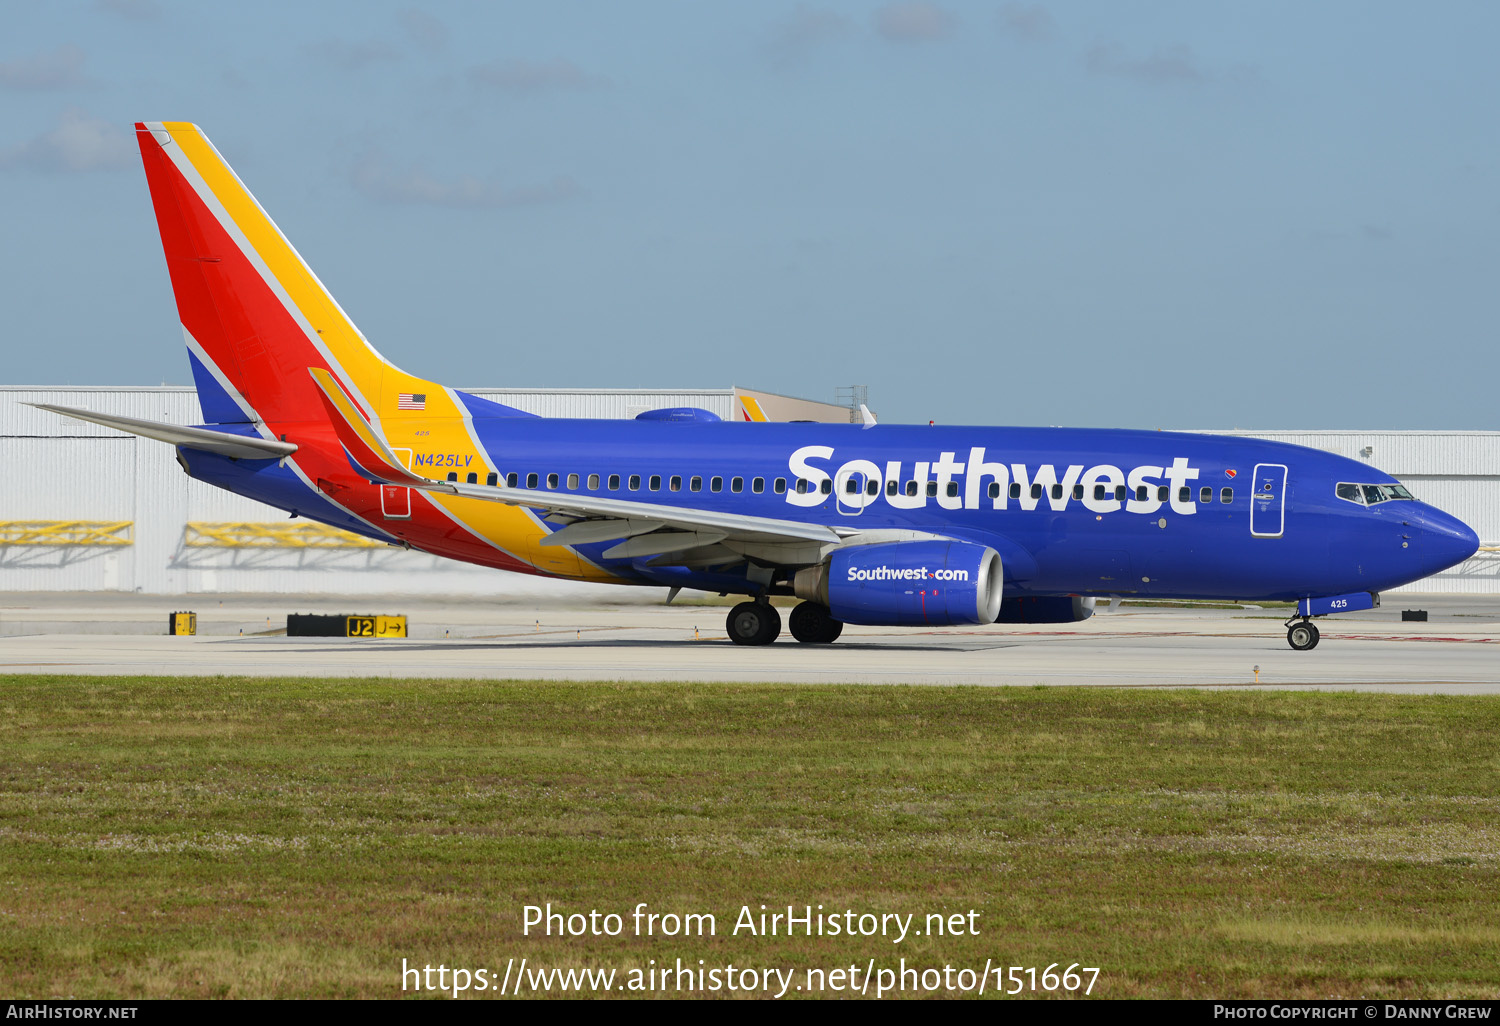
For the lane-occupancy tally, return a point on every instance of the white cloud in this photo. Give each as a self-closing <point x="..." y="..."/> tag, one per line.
<point x="135" y="10"/>
<point x="794" y="39"/>
<point x="1168" y="64"/>
<point x="1029" y="21"/>
<point x="913" y="22"/>
<point x="428" y="33"/>
<point x="523" y="76"/>
<point x="350" y="56"/>
<point x="80" y="142"/>
<point x="60" y="69"/>
<point x="373" y="177"/>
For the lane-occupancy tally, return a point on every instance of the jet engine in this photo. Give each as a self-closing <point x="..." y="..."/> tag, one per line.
<point x="1045" y="609"/>
<point x="907" y="584"/>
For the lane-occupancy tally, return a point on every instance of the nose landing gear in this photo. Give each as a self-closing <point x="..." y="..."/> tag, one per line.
<point x="1302" y="634"/>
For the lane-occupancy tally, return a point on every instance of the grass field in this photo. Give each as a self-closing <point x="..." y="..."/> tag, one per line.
<point x="246" y="837"/>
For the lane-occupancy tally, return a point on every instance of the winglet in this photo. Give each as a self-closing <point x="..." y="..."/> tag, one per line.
<point x="362" y="442"/>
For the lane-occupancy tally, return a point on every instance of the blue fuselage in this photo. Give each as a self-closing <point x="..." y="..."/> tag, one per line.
<point x="1071" y="511"/>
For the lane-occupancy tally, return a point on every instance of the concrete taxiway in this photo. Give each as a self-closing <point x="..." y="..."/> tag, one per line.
<point x="1456" y="651"/>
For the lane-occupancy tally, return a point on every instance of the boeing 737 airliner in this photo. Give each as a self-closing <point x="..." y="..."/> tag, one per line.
<point x="880" y="524"/>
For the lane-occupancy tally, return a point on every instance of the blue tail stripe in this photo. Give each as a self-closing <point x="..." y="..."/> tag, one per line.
<point x="217" y="406"/>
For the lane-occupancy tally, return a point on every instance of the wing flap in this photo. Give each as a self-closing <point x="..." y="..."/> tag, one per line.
<point x="583" y="532"/>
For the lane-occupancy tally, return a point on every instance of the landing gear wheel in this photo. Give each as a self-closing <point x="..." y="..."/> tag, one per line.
<point x="753" y="623"/>
<point x="1302" y="636"/>
<point x="813" y="624"/>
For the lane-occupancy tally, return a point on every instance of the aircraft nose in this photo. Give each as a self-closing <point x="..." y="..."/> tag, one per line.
<point x="1444" y="540"/>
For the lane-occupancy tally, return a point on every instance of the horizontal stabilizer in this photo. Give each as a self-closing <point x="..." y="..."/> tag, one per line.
<point x="206" y="439"/>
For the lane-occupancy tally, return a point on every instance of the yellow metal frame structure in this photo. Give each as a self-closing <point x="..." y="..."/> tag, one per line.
<point x="66" y="532"/>
<point x="307" y="534"/>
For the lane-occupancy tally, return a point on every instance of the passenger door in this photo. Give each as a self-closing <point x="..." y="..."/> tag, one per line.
<point x="1268" y="500"/>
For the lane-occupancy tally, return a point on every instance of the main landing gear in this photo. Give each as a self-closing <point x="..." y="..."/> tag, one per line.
<point x="1302" y="634"/>
<point x="753" y="623"/>
<point x="813" y="624"/>
<point x="758" y="623"/>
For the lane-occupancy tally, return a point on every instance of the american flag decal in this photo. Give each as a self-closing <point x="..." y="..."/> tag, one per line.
<point x="411" y="400"/>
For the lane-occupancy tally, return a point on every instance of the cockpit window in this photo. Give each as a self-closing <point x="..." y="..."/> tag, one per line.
<point x="1370" y="494"/>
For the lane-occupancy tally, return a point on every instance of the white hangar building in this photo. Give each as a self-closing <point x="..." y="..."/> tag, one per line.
<point x="85" y="508"/>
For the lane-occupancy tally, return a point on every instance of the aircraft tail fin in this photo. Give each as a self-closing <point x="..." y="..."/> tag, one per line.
<point x="253" y="314"/>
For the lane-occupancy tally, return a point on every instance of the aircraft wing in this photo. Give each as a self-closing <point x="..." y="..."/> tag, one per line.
<point x="647" y="528"/>
<point x="221" y="442"/>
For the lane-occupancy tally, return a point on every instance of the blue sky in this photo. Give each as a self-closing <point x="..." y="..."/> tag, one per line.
<point x="1155" y="214"/>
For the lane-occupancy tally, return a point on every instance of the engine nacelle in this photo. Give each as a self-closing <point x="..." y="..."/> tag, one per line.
<point x="907" y="584"/>
<point x="1045" y="609"/>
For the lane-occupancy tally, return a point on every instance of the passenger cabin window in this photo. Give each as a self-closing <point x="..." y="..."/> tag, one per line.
<point x="531" y="480"/>
<point x="851" y="486"/>
<point x="492" y="479"/>
<point x="593" y="482"/>
<point x="674" y="483"/>
<point x="654" y="484"/>
<point x="994" y="489"/>
<point x="1206" y="494"/>
<point x="452" y="475"/>
<point x="1184" y="495"/>
<point x="511" y="479"/>
<point x="716" y="484"/>
<point x="827" y="487"/>
<point x="779" y="487"/>
<point x="1036" y="491"/>
<point x="872" y="487"/>
<point x="572" y="482"/>
<point x="801" y="486"/>
<point x="1140" y="493"/>
<point x="1015" y="489"/>
<point x="1119" y="493"/>
<point x="1078" y="491"/>
<point x="1100" y="493"/>
<point x="911" y="488"/>
<point x="551" y="480"/>
<point x="473" y="478"/>
<point x="737" y="485"/>
<point x="931" y="489"/>
<point x="952" y="489"/>
<point x="1057" y="491"/>
<point x="614" y="482"/>
<point x="892" y="487"/>
<point x="1226" y="495"/>
<point x="695" y="484"/>
<point x="757" y="485"/>
<point x="635" y="482"/>
<point x="1162" y="493"/>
